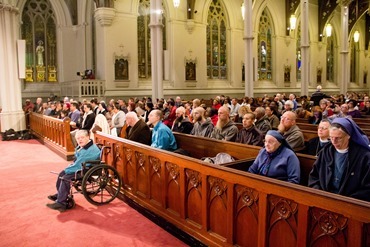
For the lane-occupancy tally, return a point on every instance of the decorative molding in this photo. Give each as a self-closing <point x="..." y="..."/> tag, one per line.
<point x="105" y="16"/>
<point x="190" y="25"/>
<point x="9" y="7"/>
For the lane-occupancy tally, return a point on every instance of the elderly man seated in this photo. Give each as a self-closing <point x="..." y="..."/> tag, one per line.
<point x="182" y="123"/>
<point x="225" y="129"/>
<point x="291" y="132"/>
<point x="249" y="134"/>
<point x="343" y="166"/>
<point x="137" y="129"/>
<point x="85" y="151"/>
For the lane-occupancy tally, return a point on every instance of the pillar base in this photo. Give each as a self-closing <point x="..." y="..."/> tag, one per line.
<point x="13" y="120"/>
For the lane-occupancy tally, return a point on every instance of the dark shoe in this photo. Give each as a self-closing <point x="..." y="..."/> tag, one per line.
<point x="53" y="197"/>
<point x="57" y="206"/>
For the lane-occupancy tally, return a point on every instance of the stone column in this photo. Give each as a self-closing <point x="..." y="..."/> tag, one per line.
<point x="156" y="30"/>
<point x="248" y="48"/>
<point x="104" y="17"/>
<point x="12" y="115"/>
<point x="305" y="48"/>
<point x="344" y="53"/>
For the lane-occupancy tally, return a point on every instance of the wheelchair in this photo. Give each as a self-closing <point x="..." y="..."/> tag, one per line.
<point x="98" y="182"/>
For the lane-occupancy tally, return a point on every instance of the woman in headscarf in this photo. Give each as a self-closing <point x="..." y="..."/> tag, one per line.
<point x="343" y="167"/>
<point x="100" y="124"/>
<point x="277" y="159"/>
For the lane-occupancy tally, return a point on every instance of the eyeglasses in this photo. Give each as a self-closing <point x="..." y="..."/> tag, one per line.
<point x="269" y="142"/>
<point x="336" y="138"/>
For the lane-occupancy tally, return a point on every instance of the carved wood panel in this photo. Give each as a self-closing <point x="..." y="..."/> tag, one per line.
<point x="246" y="216"/>
<point x="155" y="180"/>
<point x="129" y="177"/>
<point x="117" y="160"/>
<point x="217" y="206"/>
<point x="193" y="197"/>
<point x="327" y="229"/>
<point x="173" y="198"/>
<point x="282" y="222"/>
<point x="141" y="175"/>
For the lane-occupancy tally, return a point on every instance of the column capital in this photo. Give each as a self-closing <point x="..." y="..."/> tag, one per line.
<point x="9" y="7"/>
<point x="105" y="16"/>
<point x="344" y="2"/>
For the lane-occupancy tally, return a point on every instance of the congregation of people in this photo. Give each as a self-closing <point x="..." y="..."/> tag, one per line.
<point x="342" y="149"/>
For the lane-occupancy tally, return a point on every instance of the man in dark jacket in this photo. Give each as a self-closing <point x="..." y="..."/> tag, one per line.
<point x="182" y="123"/>
<point x="318" y="95"/>
<point x="138" y="130"/>
<point x="249" y="134"/>
<point x="343" y="167"/>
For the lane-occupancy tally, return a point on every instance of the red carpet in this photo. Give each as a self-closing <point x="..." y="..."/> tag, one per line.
<point x="26" y="181"/>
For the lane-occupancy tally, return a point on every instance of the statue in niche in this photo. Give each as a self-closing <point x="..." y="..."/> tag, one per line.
<point x="121" y="69"/>
<point x="299" y="62"/>
<point x="287" y="73"/>
<point x="243" y="73"/>
<point x="190" y="71"/>
<point x="365" y="77"/>
<point x="319" y="73"/>
<point x="40" y="53"/>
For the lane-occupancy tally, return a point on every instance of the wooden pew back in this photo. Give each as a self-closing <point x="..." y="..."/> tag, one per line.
<point x="222" y="206"/>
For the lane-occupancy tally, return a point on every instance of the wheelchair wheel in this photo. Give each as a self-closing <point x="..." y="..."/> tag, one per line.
<point x="70" y="202"/>
<point x="101" y="184"/>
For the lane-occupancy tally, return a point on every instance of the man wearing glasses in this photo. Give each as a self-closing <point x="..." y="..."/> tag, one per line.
<point x="343" y="166"/>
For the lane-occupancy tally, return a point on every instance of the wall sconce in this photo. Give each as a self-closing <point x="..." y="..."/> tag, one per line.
<point x="356" y="36"/>
<point x="328" y="30"/>
<point x="243" y="10"/>
<point x="176" y="3"/>
<point x="293" y="22"/>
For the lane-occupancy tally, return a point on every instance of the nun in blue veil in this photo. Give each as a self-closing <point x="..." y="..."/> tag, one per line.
<point x="277" y="159"/>
<point x="343" y="166"/>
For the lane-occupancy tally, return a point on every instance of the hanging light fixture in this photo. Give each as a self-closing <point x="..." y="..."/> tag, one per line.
<point x="356" y="36"/>
<point x="243" y="10"/>
<point x="293" y="22"/>
<point x="176" y="3"/>
<point x="328" y="30"/>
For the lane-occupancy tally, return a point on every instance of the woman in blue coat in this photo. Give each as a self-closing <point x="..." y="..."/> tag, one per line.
<point x="277" y="159"/>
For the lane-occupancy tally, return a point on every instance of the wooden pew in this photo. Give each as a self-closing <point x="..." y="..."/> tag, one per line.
<point x="54" y="133"/>
<point x="223" y="206"/>
<point x="312" y="127"/>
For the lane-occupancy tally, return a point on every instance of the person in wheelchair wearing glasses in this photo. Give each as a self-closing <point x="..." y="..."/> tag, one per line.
<point x="86" y="150"/>
<point x="343" y="166"/>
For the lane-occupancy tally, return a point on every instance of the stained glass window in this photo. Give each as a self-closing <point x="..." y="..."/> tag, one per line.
<point x="216" y="42"/>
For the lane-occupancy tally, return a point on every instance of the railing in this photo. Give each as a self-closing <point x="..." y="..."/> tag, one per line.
<point x="222" y="206"/>
<point x="83" y="88"/>
<point x="54" y="133"/>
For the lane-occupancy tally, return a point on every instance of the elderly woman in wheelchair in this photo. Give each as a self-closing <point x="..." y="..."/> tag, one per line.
<point x="98" y="182"/>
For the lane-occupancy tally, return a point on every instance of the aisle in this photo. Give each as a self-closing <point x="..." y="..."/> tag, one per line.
<point x="25" y="220"/>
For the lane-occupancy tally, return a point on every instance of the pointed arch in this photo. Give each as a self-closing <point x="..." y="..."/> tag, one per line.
<point x="264" y="46"/>
<point x="217" y="41"/>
